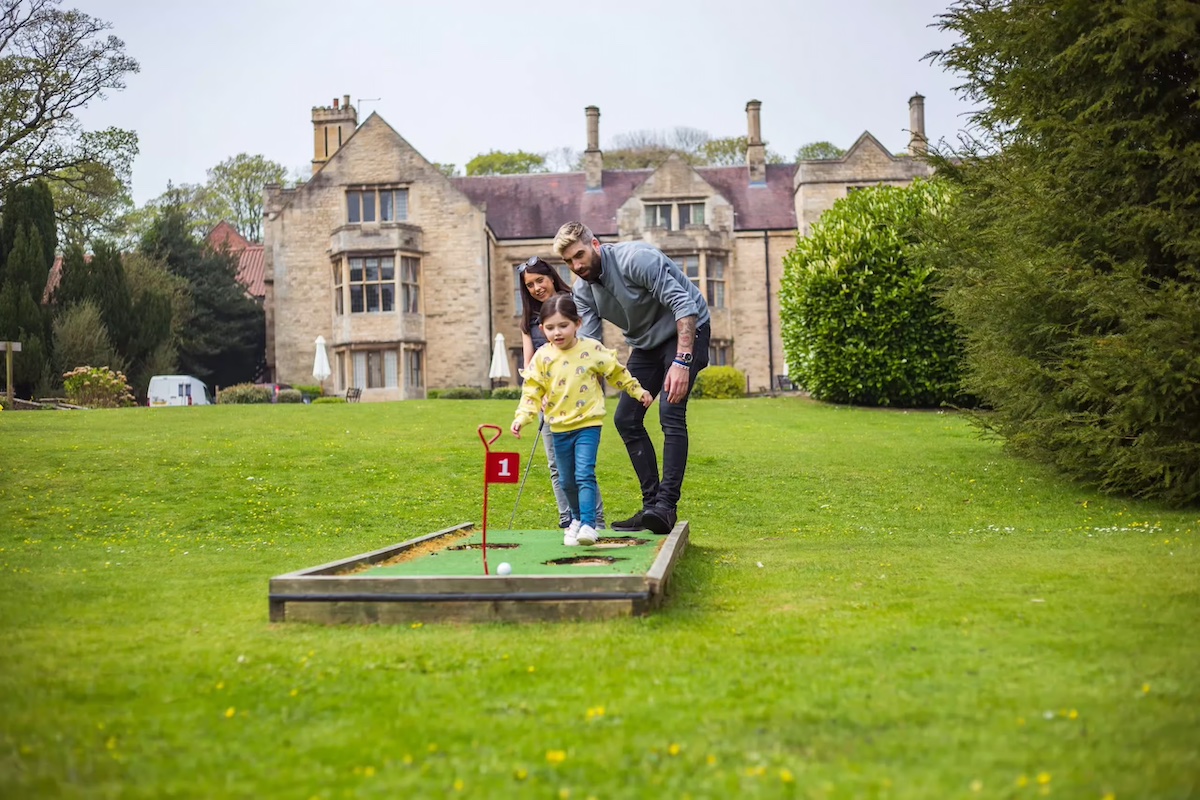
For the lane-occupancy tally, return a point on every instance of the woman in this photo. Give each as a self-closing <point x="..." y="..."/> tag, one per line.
<point x="539" y="282"/>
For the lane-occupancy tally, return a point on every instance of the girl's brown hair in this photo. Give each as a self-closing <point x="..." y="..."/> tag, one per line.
<point x="563" y="304"/>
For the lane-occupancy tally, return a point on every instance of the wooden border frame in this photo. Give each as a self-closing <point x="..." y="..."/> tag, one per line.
<point x="326" y="594"/>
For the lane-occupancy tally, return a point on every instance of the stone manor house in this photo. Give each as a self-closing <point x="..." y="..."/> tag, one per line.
<point x="409" y="274"/>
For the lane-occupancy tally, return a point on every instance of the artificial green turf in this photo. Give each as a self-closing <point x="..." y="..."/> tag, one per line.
<point x="873" y="604"/>
<point x="531" y="552"/>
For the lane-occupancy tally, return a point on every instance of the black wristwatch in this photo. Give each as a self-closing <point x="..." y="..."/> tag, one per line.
<point x="684" y="358"/>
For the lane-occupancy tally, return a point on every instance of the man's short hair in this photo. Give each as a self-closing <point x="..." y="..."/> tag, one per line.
<point x="569" y="234"/>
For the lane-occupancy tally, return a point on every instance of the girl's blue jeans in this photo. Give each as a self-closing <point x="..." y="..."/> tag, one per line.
<point x="576" y="455"/>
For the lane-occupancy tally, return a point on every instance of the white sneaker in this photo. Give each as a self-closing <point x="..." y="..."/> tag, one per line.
<point x="586" y="536"/>
<point x="571" y="533"/>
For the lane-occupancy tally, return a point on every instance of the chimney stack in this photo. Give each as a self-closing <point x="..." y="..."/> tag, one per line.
<point x="918" y="145"/>
<point x="331" y="127"/>
<point x="593" y="159"/>
<point x="756" y="150"/>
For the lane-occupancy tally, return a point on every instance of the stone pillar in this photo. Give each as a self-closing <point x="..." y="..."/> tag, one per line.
<point x="917" y="144"/>
<point x="332" y="126"/>
<point x="593" y="159"/>
<point x="756" y="149"/>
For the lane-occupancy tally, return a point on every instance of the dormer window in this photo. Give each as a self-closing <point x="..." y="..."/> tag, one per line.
<point x="674" y="216"/>
<point x="369" y="203"/>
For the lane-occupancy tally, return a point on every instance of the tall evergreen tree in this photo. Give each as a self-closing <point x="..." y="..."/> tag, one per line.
<point x="224" y="341"/>
<point x="29" y="204"/>
<point x="1073" y="257"/>
<point x="22" y="317"/>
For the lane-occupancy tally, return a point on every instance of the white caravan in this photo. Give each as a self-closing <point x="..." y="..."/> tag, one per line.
<point x="177" y="390"/>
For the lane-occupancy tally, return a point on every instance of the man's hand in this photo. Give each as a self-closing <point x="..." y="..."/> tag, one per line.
<point x="676" y="383"/>
<point x="516" y="429"/>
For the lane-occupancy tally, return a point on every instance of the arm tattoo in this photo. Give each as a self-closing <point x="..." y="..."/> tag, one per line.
<point x="685" y="329"/>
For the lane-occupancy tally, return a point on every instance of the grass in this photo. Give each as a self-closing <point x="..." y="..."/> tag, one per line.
<point x="874" y="604"/>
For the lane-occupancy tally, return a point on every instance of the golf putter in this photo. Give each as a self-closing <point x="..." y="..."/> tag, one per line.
<point x="528" y="464"/>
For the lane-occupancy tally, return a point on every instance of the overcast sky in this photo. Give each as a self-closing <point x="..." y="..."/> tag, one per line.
<point x="457" y="78"/>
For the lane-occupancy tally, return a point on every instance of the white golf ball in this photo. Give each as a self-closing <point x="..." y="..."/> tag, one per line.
<point x="504" y="569"/>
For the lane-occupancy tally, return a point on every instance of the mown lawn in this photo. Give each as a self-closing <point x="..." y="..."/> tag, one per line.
<point x="874" y="604"/>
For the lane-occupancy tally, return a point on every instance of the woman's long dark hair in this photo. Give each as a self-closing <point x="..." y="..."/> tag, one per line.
<point x="532" y="308"/>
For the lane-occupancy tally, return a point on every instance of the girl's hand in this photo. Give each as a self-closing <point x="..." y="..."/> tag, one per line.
<point x="646" y="399"/>
<point x="516" y="429"/>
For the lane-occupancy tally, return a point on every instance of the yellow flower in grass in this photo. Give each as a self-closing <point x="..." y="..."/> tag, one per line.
<point x="1043" y="778"/>
<point x="593" y="713"/>
<point x="1073" y="715"/>
<point x="1109" y="796"/>
<point x="556" y="756"/>
<point x="673" y="749"/>
<point x="520" y="773"/>
<point x="458" y="784"/>
<point x="1022" y="781"/>
<point x="369" y="772"/>
<point x="711" y="760"/>
<point x="564" y="793"/>
<point x="977" y="786"/>
<point x="229" y="712"/>
<point x="786" y="775"/>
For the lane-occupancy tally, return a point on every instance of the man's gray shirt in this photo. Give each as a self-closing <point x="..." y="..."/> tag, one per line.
<point x="642" y="292"/>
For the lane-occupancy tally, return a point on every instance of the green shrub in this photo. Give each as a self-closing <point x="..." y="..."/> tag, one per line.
<point x="507" y="393"/>
<point x="313" y="390"/>
<point x="324" y="400"/>
<point x="719" y="383"/>
<point x="461" y="393"/>
<point x="289" y="396"/>
<point x="97" y="387"/>
<point x="244" y="393"/>
<point x="860" y="320"/>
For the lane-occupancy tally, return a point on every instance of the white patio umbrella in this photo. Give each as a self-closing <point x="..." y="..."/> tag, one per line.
<point x="499" y="367"/>
<point x="321" y="369"/>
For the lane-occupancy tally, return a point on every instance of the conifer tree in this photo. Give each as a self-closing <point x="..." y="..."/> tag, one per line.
<point x="1073" y="256"/>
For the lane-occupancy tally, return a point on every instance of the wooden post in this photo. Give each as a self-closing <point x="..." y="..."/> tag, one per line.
<point x="9" y="349"/>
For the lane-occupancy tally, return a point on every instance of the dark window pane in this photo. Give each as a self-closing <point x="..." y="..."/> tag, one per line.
<point x="368" y="200"/>
<point x="356" y="270"/>
<point x="372" y="269"/>
<point x="356" y="299"/>
<point x="387" y="268"/>
<point x="388" y="292"/>
<point x="353" y="212"/>
<point x="372" y="297"/>
<point x="385" y="205"/>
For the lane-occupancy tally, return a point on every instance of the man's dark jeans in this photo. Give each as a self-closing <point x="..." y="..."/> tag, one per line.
<point x="650" y="368"/>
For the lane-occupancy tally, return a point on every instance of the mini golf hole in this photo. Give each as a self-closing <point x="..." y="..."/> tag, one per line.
<point x="477" y="546"/>
<point x="584" y="561"/>
<point x="620" y="541"/>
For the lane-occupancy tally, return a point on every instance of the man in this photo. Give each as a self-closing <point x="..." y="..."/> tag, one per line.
<point x="666" y="323"/>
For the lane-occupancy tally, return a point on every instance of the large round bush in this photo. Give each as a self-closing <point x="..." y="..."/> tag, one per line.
<point x="860" y="321"/>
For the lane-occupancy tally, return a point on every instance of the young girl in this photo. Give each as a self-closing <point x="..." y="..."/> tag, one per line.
<point x="539" y="282"/>
<point x="563" y="371"/>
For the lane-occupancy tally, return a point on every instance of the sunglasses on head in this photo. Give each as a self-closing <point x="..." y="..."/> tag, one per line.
<point x="533" y="260"/>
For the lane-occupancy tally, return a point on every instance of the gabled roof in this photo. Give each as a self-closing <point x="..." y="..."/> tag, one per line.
<point x="534" y="206"/>
<point x="225" y="235"/>
<point x="757" y="208"/>
<point x="251" y="266"/>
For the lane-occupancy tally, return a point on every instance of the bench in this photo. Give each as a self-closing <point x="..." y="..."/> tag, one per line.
<point x="353" y="393"/>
